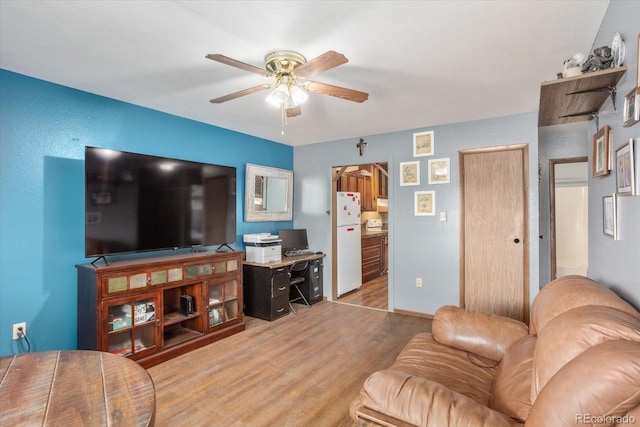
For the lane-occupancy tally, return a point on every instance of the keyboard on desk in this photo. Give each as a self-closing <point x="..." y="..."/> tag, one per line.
<point x="297" y="253"/>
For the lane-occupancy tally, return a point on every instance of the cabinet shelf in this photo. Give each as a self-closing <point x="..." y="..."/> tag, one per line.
<point x="177" y="336"/>
<point x="579" y="98"/>
<point x="173" y="318"/>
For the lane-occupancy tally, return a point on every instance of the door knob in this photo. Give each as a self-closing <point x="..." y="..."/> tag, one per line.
<point x="516" y="240"/>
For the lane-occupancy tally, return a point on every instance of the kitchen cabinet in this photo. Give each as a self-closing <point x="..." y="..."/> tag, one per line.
<point x="371" y="257"/>
<point x="358" y="183"/>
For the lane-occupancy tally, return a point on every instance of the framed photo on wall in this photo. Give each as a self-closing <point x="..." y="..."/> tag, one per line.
<point x="424" y="203"/>
<point x="423" y="144"/>
<point x="625" y="169"/>
<point x="609" y="218"/>
<point x="600" y="158"/>
<point x="439" y="171"/>
<point x="632" y="108"/>
<point x="409" y="173"/>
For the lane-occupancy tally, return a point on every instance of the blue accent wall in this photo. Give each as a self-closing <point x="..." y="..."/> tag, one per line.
<point x="44" y="128"/>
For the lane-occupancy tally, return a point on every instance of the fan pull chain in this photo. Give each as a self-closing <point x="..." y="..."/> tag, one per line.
<point x="283" y="118"/>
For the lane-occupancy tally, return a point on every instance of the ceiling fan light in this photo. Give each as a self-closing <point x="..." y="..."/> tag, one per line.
<point x="278" y="96"/>
<point x="298" y="96"/>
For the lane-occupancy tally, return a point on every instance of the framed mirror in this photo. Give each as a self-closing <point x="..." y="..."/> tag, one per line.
<point x="268" y="194"/>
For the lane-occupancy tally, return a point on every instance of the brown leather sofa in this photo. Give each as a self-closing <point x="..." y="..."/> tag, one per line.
<point x="578" y="363"/>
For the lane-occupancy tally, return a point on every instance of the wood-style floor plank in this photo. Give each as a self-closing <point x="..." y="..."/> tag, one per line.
<point x="300" y="370"/>
<point x="373" y="293"/>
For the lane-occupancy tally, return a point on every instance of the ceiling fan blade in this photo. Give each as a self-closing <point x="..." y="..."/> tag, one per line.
<point x="324" y="62"/>
<point x="337" y="91"/>
<point x="294" y="112"/>
<point x="238" y="64"/>
<point x="239" y="94"/>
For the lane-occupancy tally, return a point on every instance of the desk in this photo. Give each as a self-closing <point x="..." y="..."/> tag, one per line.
<point x="90" y="388"/>
<point x="266" y="286"/>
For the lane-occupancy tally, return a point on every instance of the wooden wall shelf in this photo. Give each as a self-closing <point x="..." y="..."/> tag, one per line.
<point x="579" y="98"/>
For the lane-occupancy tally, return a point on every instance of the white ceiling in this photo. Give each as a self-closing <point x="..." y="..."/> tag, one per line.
<point x="423" y="63"/>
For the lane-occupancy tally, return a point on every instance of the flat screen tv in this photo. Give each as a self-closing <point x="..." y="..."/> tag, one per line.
<point x="137" y="203"/>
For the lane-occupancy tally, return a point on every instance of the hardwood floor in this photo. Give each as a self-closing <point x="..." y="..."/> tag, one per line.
<point x="372" y="294"/>
<point x="300" y="370"/>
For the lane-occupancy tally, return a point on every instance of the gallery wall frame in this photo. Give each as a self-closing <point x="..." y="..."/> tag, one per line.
<point x="609" y="216"/>
<point x="631" y="108"/>
<point x="423" y="144"/>
<point x="409" y="173"/>
<point x="601" y="151"/>
<point x="625" y="169"/>
<point x="424" y="203"/>
<point x="439" y="171"/>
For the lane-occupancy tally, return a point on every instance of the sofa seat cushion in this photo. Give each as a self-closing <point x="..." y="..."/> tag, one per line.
<point x="424" y="357"/>
<point x="512" y="387"/>
<point x="421" y="402"/>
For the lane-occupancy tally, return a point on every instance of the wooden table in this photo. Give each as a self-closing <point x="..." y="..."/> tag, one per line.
<point x="90" y="388"/>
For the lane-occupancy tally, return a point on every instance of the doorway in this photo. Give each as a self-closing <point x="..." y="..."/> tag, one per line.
<point x="371" y="181"/>
<point x="569" y="216"/>
<point x="494" y="246"/>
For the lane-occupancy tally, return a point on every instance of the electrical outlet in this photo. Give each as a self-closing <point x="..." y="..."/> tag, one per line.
<point x="418" y="282"/>
<point x="443" y="216"/>
<point x="17" y="334"/>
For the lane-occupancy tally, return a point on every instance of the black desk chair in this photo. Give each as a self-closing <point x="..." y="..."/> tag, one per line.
<point x="297" y="273"/>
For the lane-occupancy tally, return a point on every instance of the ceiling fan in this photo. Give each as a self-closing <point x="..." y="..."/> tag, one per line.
<point x="291" y="71"/>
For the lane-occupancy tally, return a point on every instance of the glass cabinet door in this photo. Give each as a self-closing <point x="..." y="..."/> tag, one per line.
<point x="132" y="325"/>
<point x="223" y="304"/>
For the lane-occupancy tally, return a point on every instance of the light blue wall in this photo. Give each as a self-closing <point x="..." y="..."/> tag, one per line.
<point x="418" y="246"/>
<point x="555" y="142"/>
<point x="43" y="130"/>
<point x="617" y="263"/>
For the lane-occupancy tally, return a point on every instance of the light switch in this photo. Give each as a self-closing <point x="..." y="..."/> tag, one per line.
<point x="443" y="216"/>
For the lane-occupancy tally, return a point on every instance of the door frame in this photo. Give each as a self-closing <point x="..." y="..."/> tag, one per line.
<point x="552" y="205"/>
<point x="336" y="173"/>
<point x="524" y="148"/>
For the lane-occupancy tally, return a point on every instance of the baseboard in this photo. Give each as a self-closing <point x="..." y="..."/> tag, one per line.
<point x="413" y="313"/>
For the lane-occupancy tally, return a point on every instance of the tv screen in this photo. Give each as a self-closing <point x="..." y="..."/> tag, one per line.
<point x="293" y="240"/>
<point x="136" y="202"/>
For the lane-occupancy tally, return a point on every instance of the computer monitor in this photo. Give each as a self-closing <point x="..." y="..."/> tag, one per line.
<point x="294" y="240"/>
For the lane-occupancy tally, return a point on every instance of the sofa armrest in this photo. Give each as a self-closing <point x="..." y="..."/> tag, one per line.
<point x="484" y="334"/>
<point x="417" y="401"/>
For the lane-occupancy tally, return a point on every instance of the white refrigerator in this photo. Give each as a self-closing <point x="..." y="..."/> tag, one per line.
<point x="349" y="256"/>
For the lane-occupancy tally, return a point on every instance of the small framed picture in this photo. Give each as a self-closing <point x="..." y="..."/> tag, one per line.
<point x="423" y="144"/>
<point x="439" y="171"/>
<point x="609" y="218"/>
<point x="625" y="169"/>
<point x="600" y="159"/>
<point x="632" y="107"/>
<point x="409" y="173"/>
<point x="638" y="67"/>
<point x="424" y="203"/>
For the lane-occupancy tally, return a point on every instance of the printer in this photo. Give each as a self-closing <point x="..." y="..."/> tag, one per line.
<point x="263" y="248"/>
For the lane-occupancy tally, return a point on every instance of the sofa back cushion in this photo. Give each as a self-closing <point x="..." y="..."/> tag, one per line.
<point x="601" y="386"/>
<point x="574" y="332"/>
<point x="511" y="392"/>
<point x="569" y="292"/>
